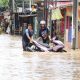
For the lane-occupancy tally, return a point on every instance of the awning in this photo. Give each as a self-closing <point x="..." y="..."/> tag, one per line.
<point x="64" y="3"/>
<point x="60" y="4"/>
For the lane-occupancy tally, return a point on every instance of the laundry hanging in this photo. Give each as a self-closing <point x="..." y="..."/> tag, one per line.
<point x="56" y="14"/>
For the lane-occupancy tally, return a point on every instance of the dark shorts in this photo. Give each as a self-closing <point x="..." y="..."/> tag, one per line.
<point x="46" y="40"/>
<point x="26" y="44"/>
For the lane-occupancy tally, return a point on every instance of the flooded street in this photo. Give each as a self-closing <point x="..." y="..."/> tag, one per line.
<point x="18" y="65"/>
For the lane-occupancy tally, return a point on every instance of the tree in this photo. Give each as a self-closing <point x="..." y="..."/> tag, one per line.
<point x="4" y="3"/>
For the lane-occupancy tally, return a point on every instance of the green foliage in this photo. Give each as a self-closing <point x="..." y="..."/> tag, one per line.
<point x="4" y="3"/>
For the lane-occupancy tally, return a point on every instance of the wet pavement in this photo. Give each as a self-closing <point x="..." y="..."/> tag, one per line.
<point x="18" y="65"/>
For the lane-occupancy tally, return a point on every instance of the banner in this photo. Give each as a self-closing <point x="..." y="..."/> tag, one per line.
<point x="56" y="14"/>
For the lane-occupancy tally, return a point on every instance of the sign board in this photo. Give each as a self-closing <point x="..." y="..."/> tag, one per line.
<point x="59" y="4"/>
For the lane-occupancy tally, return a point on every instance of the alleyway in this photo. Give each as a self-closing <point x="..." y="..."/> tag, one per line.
<point x="18" y="65"/>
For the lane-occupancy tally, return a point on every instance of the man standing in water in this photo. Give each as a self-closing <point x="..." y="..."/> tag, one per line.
<point x="27" y="37"/>
<point x="44" y="32"/>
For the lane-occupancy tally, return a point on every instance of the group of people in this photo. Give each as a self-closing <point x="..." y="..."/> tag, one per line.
<point x="27" y="38"/>
<point x="28" y="35"/>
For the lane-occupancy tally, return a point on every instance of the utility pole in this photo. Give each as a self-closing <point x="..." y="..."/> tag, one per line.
<point x="55" y="3"/>
<point x="23" y="6"/>
<point x="45" y="11"/>
<point x="55" y="21"/>
<point x="75" y="24"/>
<point x="10" y="4"/>
<point x="30" y="2"/>
<point x="13" y="6"/>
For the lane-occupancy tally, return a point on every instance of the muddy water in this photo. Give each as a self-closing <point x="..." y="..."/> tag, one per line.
<point x="18" y="65"/>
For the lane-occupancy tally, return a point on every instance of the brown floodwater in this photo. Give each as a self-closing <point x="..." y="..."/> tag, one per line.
<point x="15" y="64"/>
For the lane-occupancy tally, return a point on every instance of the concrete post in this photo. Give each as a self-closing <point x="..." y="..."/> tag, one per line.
<point x="30" y="2"/>
<point x="13" y="6"/>
<point x="65" y="30"/>
<point x="23" y="6"/>
<point x="45" y="11"/>
<point x="75" y="24"/>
